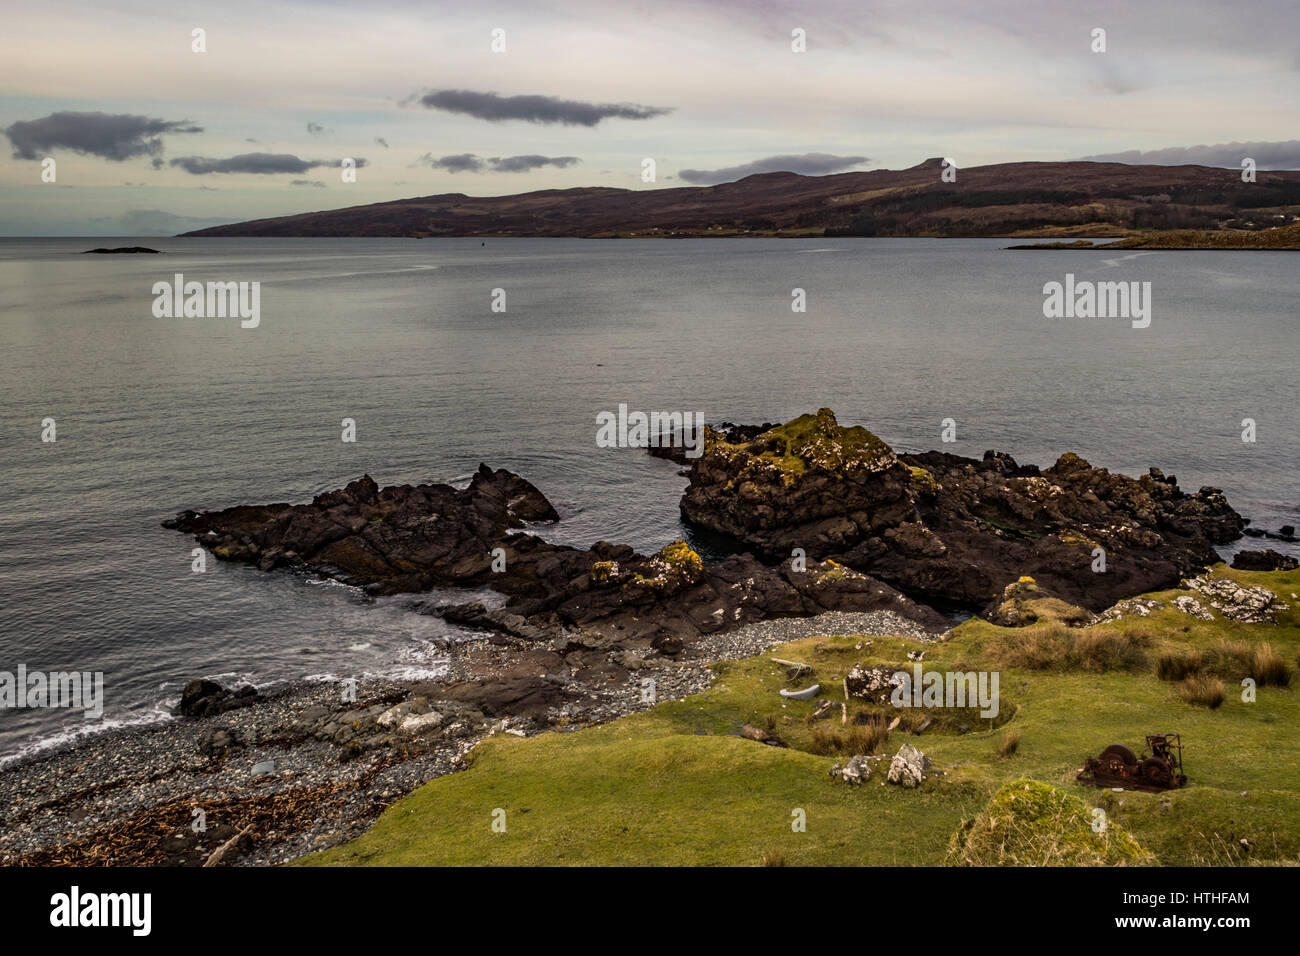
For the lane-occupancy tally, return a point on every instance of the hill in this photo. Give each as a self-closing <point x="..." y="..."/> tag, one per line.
<point x="1010" y="199"/>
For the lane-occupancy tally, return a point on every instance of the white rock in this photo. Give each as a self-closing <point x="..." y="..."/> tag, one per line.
<point x="857" y="771"/>
<point x="421" y="723"/>
<point x="908" y="767"/>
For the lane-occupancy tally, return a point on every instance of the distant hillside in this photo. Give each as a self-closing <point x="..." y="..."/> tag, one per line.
<point x="1010" y="199"/>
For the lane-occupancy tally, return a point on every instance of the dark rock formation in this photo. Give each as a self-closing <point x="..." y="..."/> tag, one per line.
<point x="130" y="250"/>
<point x="411" y="538"/>
<point x="953" y="530"/>
<point x="1266" y="560"/>
<point x="204" y="698"/>
<point x="402" y="538"/>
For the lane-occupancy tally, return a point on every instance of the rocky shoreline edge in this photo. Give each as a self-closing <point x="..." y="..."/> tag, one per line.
<point x="301" y="770"/>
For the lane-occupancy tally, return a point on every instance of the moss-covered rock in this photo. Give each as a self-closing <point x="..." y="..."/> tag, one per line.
<point x="1030" y="823"/>
<point x="673" y="567"/>
<point x="605" y="572"/>
<point x="1024" y="603"/>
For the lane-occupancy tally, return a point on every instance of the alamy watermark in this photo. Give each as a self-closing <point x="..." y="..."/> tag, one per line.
<point x="1085" y="299"/>
<point x="954" y="689"/>
<point x="214" y="300"/>
<point x="76" y="909"/>
<point x="24" y="688"/>
<point x="626" y="429"/>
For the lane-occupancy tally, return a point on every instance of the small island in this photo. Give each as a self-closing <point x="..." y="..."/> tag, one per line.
<point x="103" y="250"/>
<point x="1277" y="238"/>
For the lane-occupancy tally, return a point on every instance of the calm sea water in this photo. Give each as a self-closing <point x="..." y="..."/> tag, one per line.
<point x="157" y="415"/>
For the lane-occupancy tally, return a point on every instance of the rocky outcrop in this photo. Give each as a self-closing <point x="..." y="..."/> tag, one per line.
<point x="411" y="538"/>
<point x="1266" y="560"/>
<point x="953" y="530"/>
<point x="400" y="538"/>
<point x="1238" y="602"/>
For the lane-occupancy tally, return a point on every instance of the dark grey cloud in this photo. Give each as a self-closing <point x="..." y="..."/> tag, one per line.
<point x="456" y="163"/>
<point x="268" y="163"/>
<point x="806" y="164"/>
<point x="315" y="129"/>
<point x="381" y="141"/>
<point x="470" y="163"/>
<point x="532" y="108"/>
<point x="308" y="182"/>
<point x="1267" y="155"/>
<point x="115" y="136"/>
<point x="522" y="164"/>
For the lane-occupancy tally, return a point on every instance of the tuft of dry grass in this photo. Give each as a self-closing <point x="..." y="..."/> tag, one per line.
<point x="1099" y="650"/>
<point x="1231" y="659"/>
<point x="1010" y="742"/>
<point x="866" y="738"/>
<point x="1037" y="647"/>
<point x="773" y="858"/>
<point x="1202" y="691"/>
<point x="1179" y="665"/>
<point x="1268" y="667"/>
<point x="1054" y="646"/>
<point x="865" y="734"/>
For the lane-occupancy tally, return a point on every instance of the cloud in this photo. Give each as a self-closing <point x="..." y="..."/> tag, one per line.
<point x="308" y="182"/>
<point x="260" y="163"/>
<point x="522" y="164"/>
<point x="1275" y="155"/>
<point x="546" y="110"/>
<point x="457" y="163"/>
<point x="470" y="163"/>
<point x="114" y="136"/>
<point x="806" y="164"/>
<point x="315" y="129"/>
<point x="381" y="141"/>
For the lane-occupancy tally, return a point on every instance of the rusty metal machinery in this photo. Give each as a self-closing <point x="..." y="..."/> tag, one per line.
<point x="1159" y="768"/>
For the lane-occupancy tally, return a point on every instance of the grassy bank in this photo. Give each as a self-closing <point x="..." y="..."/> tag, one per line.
<point x="1279" y="238"/>
<point x="675" y="786"/>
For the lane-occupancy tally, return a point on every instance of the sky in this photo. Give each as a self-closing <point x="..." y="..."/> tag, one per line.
<point x="149" y="136"/>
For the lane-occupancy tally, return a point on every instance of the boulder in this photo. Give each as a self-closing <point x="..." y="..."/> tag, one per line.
<point x="908" y="767"/>
<point x="1265" y="560"/>
<point x="204" y="698"/>
<point x="856" y="772"/>
<point x="870" y="683"/>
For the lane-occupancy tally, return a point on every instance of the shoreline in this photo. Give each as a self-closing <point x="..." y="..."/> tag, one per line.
<point x="129" y="796"/>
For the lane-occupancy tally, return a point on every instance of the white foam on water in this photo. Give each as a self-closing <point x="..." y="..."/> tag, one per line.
<point x="157" y="715"/>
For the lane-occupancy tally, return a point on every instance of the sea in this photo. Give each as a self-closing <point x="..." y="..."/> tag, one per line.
<point x="445" y="353"/>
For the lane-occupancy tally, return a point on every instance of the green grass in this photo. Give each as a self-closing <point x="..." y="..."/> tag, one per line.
<point x="673" y="786"/>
